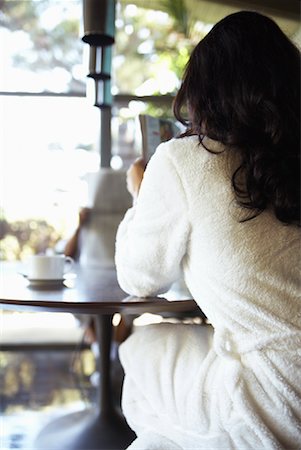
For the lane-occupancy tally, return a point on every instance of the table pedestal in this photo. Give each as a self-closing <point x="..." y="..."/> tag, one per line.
<point x="99" y="428"/>
<point x="86" y="430"/>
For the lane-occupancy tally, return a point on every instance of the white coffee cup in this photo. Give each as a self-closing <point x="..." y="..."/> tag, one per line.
<point x="48" y="267"/>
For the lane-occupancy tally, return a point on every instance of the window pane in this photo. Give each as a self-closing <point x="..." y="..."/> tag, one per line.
<point x="152" y="46"/>
<point x="41" y="47"/>
<point x="47" y="146"/>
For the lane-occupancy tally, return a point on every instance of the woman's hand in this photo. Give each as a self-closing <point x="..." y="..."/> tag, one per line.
<point x="135" y="176"/>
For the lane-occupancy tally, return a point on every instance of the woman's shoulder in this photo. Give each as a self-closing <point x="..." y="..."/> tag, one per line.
<point x="179" y="150"/>
<point x="176" y="146"/>
<point x="189" y="154"/>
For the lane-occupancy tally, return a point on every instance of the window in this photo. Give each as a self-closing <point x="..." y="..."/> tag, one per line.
<point x="49" y="138"/>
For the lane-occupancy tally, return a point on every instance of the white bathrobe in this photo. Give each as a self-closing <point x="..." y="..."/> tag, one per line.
<point x="239" y="388"/>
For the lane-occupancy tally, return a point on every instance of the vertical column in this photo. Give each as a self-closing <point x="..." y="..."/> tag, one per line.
<point x="99" y="32"/>
<point x="104" y="338"/>
<point x="105" y="137"/>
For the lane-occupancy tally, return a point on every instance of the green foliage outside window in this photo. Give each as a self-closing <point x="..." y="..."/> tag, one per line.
<point x="22" y="238"/>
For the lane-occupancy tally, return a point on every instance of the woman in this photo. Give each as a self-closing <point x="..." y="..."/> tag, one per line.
<point x="222" y="205"/>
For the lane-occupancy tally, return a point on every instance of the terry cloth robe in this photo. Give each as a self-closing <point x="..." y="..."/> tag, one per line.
<point x="185" y="387"/>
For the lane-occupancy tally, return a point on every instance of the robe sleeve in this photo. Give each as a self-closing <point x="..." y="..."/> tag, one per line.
<point x="152" y="238"/>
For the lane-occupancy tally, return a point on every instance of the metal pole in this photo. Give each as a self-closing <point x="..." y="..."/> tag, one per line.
<point x="105" y="136"/>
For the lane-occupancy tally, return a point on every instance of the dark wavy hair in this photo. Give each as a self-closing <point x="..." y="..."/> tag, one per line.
<point x="242" y="87"/>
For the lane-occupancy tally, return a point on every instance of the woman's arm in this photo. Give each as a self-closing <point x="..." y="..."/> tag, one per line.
<point x="72" y="246"/>
<point x="152" y="238"/>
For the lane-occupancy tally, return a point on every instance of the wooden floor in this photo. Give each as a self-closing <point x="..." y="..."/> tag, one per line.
<point x="36" y="386"/>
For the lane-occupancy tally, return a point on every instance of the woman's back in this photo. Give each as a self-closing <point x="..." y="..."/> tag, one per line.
<point x="250" y="267"/>
<point x="244" y="276"/>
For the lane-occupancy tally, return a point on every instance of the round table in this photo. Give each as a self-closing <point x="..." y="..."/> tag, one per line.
<point x="95" y="292"/>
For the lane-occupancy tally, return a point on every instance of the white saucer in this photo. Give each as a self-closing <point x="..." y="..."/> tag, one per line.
<point x="44" y="282"/>
<point x="40" y="282"/>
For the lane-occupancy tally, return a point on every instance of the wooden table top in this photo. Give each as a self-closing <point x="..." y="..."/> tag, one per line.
<point x="84" y="291"/>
